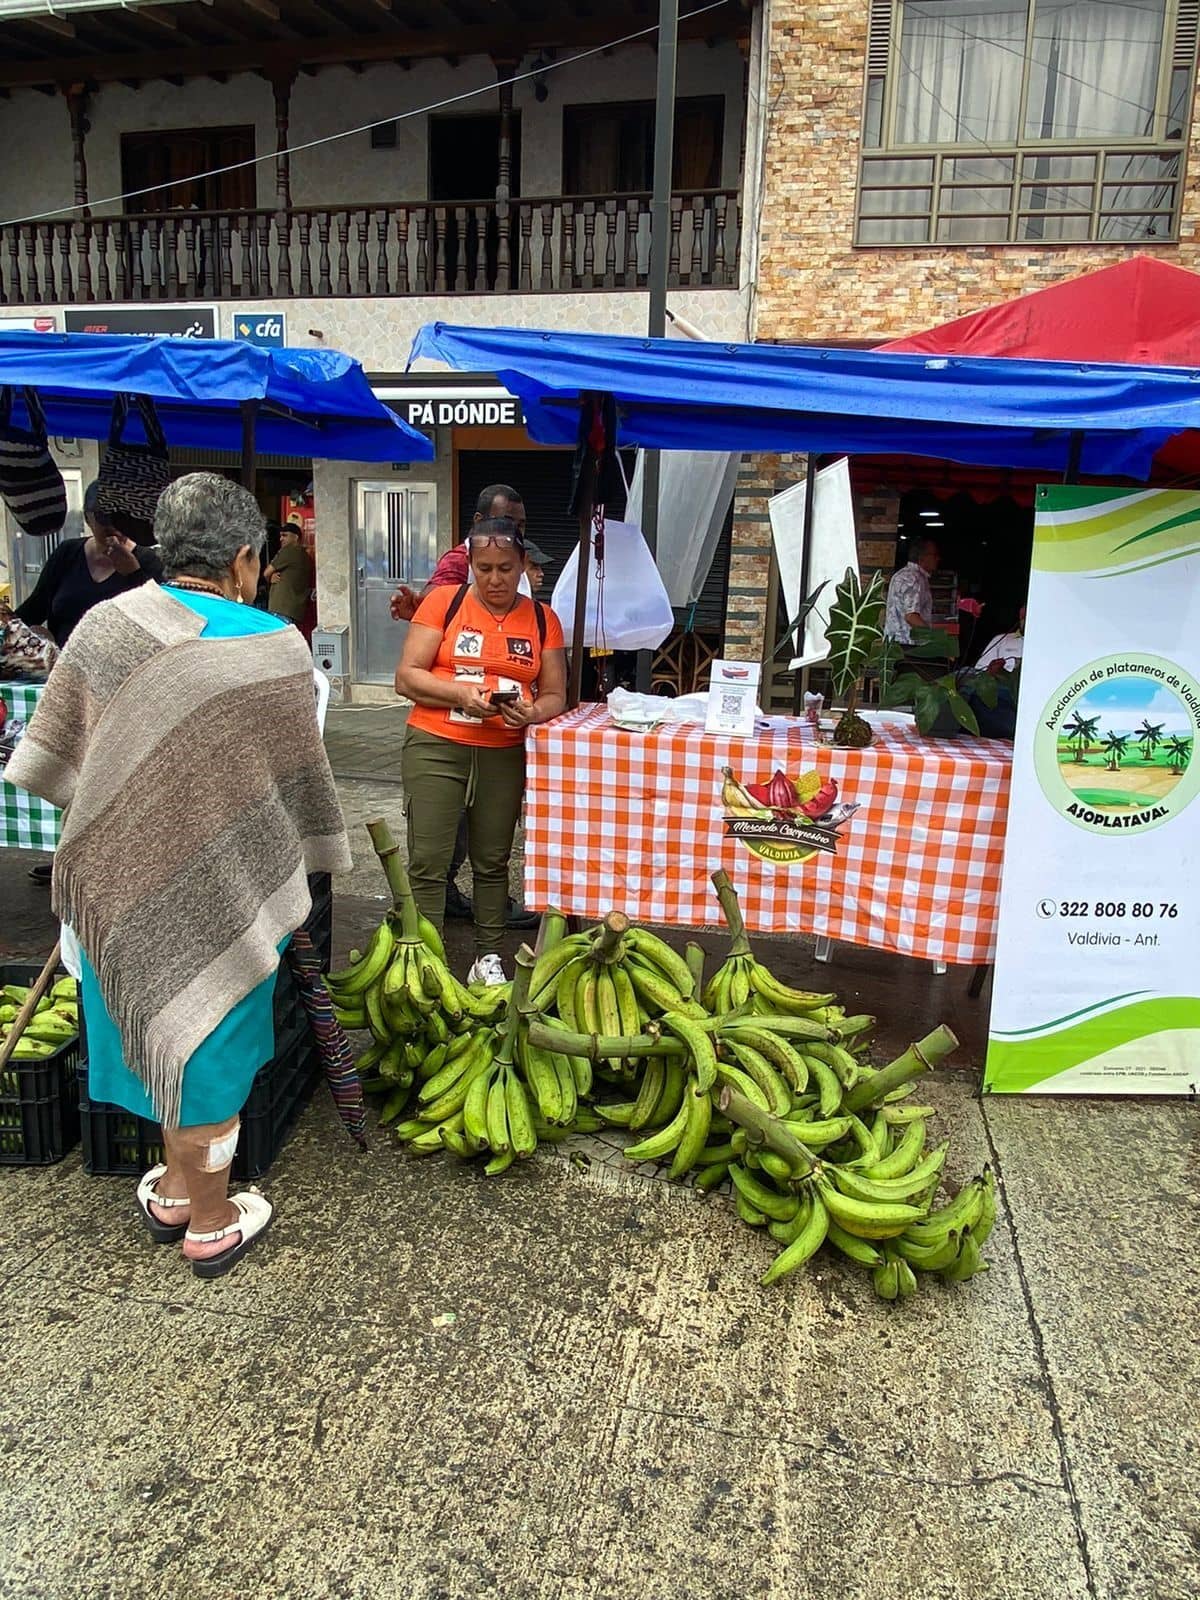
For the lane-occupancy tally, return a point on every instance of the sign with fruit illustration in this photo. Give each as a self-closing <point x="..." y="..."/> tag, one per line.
<point x="1096" y="984"/>
<point x="785" y="821"/>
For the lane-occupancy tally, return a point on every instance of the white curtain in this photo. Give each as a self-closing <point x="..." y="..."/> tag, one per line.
<point x="1093" y="71"/>
<point x="695" y="491"/>
<point x="1094" y="75"/>
<point x="959" y="75"/>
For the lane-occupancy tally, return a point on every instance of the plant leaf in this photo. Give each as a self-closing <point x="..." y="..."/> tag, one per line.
<point x="927" y="703"/>
<point x="901" y="690"/>
<point x="962" y="711"/>
<point x="855" y="628"/>
<point x="986" y="688"/>
<point x="931" y="644"/>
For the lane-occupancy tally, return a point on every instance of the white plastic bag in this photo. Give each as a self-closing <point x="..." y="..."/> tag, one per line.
<point x="628" y="608"/>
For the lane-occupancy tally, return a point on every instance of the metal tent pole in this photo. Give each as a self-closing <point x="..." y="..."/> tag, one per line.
<point x="587" y="505"/>
<point x="800" y="676"/>
<point x="660" y="251"/>
<point x="249" y="454"/>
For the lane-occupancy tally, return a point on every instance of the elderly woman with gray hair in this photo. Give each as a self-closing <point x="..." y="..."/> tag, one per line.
<point x="179" y="732"/>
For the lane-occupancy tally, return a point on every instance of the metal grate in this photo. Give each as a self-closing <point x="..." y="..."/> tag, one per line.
<point x="879" y="35"/>
<point x="1187" y="28"/>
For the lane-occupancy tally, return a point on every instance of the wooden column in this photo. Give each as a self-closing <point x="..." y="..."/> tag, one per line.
<point x="504" y="71"/>
<point x="76" y="97"/>
<point x="281" y="86"/>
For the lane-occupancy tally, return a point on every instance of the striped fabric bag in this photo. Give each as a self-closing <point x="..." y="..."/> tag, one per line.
<point x="132" y="476"/>
<point x="30" y="483"/>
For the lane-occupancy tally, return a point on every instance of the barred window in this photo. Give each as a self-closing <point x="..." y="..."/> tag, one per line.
<point x="1025" y="121"/>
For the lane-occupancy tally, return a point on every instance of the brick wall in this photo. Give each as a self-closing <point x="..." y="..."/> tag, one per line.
<point x="746" y="610"/>
<point x="812" y="284"/>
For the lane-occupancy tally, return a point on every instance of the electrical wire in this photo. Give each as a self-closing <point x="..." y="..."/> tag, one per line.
<point x="539" y="71"/>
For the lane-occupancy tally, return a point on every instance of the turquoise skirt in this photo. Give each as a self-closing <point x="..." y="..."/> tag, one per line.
<point x="219" y="1074"/>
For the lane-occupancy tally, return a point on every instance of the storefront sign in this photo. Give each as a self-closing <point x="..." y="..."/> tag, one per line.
<point x="267" y="328"/>
<point x="1097" y="990"/>
<point x="176" y="322"/>
<point x="48" y="324"/>
<point x="449" y="413"/>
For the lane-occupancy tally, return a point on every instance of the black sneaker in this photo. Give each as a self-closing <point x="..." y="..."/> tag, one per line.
<point x="518" y="917"/>
<point x="458" y="906"/>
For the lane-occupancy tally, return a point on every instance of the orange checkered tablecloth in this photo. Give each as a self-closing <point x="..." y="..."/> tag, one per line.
<point x="907" y="858"/>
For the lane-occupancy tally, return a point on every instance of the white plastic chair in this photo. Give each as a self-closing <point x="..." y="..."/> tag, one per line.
<point x="321" y="690"/>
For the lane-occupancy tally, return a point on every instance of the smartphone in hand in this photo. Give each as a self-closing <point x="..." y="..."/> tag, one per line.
<point x="504" y="697"/>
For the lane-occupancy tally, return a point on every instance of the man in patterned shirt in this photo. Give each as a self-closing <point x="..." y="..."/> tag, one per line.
<point x="910" y="599"/>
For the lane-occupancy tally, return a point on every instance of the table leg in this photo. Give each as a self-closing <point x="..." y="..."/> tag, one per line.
<point x="982" y="973"/>
<point x="824" y="950"/>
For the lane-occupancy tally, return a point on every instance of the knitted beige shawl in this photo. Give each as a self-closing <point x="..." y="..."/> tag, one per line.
<point x="198" y="798"/>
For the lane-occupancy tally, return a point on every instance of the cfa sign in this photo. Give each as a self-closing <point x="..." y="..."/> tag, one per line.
<point x="268" y="328"/>
<point x="464" y="413"/>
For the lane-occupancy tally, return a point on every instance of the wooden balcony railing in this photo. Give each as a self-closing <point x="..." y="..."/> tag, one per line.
<point x="482" y="247"/>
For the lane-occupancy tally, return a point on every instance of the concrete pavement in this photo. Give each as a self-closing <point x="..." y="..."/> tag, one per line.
<point x="567" y="1384"/>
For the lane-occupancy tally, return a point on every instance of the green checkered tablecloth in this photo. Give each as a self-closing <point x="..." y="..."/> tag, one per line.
<point x="26" y="823"/>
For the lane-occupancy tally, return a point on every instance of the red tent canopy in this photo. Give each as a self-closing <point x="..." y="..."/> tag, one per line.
<point x="1142" y="311"/>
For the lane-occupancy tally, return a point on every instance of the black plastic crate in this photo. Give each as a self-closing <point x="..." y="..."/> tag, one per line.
<point x="118" y="1144"/>
<point x="39" y="1100"/>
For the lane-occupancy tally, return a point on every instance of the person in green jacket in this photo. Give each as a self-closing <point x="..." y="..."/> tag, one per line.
<point x="290" y="576"/>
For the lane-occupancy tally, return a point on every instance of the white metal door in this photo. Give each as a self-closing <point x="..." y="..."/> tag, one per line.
<point x="395" y="541"/>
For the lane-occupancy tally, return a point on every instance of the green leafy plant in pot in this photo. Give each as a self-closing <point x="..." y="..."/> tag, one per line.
<point x="856" y="644"/>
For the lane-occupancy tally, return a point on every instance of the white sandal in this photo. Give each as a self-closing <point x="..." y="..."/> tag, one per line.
<point x="255" y="1214"/>
<point x="147" y="1193"/>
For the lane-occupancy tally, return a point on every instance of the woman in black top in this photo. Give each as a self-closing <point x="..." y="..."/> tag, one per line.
<point x="79" y="573"/>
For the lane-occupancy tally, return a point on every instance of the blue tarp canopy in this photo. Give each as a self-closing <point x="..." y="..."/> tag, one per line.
<point x="311" y="402"/>
<point x="988" y="411"/>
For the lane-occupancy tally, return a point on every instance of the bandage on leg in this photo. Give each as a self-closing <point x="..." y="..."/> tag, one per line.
<point x="220" y="1152"/>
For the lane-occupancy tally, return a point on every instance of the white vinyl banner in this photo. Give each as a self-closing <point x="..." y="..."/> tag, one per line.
<point x="834" y="548"/>
<point x="1097" y="983"/>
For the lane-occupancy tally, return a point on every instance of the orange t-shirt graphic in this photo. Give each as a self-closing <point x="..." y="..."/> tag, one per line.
<point x="496" y="653"/>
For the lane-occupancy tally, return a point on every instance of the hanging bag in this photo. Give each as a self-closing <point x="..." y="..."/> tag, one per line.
<point x="30" y="483"/>
<point x="132" y="476"/>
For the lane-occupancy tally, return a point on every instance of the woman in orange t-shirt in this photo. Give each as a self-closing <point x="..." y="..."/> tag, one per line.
<point x="481" y="664"/>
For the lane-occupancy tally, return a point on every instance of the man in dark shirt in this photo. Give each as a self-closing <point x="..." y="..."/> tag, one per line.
<point x="79" y="573"/>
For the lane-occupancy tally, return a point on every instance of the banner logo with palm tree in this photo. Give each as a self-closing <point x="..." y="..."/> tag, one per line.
<point x="1115" y="745"/>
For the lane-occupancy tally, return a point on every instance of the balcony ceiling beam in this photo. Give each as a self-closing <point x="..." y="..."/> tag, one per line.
<point x="561" y="31"/>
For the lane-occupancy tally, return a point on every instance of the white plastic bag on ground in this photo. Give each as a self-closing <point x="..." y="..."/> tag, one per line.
<point x="628" y="608"/>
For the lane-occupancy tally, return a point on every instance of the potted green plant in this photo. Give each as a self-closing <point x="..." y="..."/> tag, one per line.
<point x="941" y="700"/>
<point x="856" y="644"/>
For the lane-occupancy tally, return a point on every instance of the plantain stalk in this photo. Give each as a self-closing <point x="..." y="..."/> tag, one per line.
<point x="764" y="1129"/>
<point x="612" y="930"/>
<point x="694" y="956"/>
<point x="552" y="930"/>
<point x="919" y="1058"/>
<point x="518" y="1001"/>
<point x="403" y="903"/>
<point x="739" y="944"/>
<point x="595" y="1047"/>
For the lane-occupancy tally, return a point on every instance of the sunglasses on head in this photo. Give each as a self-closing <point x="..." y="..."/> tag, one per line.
<point x="505" y="541"/>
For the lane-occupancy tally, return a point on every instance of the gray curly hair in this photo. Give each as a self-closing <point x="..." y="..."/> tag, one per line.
<point x="201" y="523"/>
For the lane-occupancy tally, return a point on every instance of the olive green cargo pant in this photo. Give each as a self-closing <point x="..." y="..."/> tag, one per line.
<point x="441" y="780"/>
